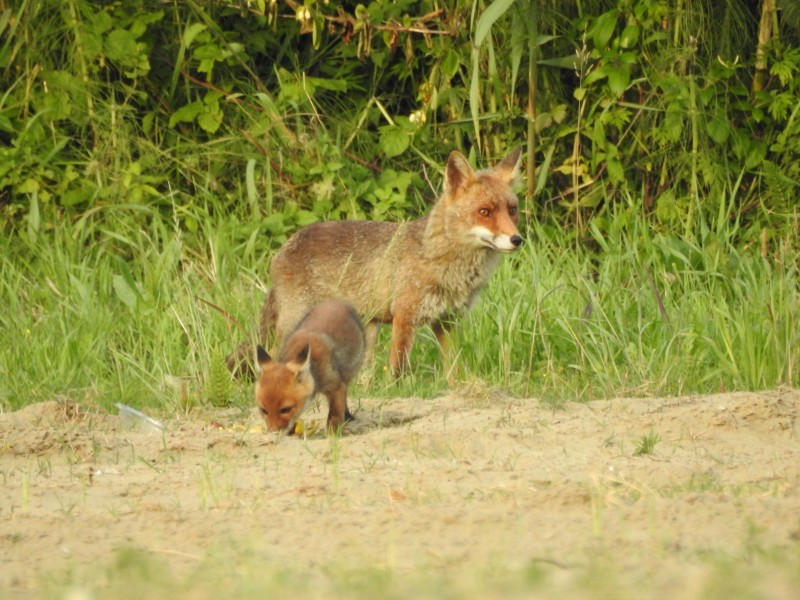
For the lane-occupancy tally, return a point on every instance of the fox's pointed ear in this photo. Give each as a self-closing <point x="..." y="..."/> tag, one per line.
<point x="261" y="356"/>
<point x="457" y="172"/>
<point x="302" y="364"/>
<point x="508" y="168"/>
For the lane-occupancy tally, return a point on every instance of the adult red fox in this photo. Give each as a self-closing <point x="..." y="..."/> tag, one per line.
<point x="407" y="274"/>
<point x="322" y="355"/>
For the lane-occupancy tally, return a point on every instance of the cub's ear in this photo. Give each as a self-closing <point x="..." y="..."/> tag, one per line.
<point x="302" y="364"/>
<point x="508" y="168"/>
<point x="302" y="361"/>
<point x="261" y="356"/>
<point x="457" y="172"/>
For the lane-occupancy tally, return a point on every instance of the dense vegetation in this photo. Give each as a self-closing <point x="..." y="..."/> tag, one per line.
<point x="153" y="155"/>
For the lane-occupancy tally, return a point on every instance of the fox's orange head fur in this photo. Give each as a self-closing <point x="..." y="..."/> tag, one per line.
<point x="485" y="202"/>
<point x="283" y="389"/>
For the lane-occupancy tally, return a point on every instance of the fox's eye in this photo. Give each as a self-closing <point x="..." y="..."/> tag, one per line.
<point x="285" y="410"/>
<point x="484" y="212"/>
<point x="512" y="210"/>
<point x="262" y="410"/>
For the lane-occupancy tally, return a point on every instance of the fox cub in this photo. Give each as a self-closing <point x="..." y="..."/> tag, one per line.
<point x="322" y="355"/>
<point x="407" y="274"/>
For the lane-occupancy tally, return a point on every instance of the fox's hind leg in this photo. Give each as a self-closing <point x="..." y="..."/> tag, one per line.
<point x="402" y="340"/>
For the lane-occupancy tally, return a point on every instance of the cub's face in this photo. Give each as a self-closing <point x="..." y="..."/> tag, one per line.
<point x="282" y="392"/>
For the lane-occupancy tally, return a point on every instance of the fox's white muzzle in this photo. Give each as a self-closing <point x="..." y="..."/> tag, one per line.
<point x="501" y="242"/>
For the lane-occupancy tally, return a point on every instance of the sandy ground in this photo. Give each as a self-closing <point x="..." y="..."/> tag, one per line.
<point x="476" y="484"/>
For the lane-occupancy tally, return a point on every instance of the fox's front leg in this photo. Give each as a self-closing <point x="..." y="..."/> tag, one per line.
<point x="337" y="408"/>
<point x="402" y="340"/>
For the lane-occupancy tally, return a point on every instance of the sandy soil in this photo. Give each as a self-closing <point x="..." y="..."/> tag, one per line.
<point x="469" y="484"/>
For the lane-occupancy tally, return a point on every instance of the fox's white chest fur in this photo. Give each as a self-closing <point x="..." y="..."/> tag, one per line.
<point x="461" y="279"/>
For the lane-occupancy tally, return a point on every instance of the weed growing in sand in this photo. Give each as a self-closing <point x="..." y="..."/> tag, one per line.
<point x="219" y="387"/>
<point x="334" y="457"/>
<point x="66" y="508"/>
<point x="210" y="494"/>
<point x="45" y="466"/>
<point x="646" y="444"/>
<point x="26" y="489"/>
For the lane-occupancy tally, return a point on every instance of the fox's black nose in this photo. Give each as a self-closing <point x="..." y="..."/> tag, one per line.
<point x="516" y="240"/>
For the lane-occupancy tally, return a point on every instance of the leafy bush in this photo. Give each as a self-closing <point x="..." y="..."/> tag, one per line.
<point x="296" y="112"/>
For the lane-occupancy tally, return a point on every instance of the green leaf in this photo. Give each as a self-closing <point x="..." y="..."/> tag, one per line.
<point x="544" y="169"/>
<point x="618" y="79"/>
<point x="66" y="92"/>
<point x="673" y="125"/>
<point x="616" y="172"/>
<point x="210" y="120"/>
<point x="603" y="28"/>
<point x="394" y="141"/>
<point x="333" y="85"/>
<point x="6" y="124"/>
<point x="740" y="143"/>
<point x="756" y="154"/>
<point x="191" y="32"/>
<point x="629" y="37"/>
<point x="595" y="75"/>
<point x="34" y="217"/>
<point x="496" y="10"/>
<point x="74" y="197"/>
<point x="124" y="292"/>
<point x="543" y="39"/>
<point x="28" y="186"/>
<point x="474" y="95"/>
<point x="125" y="286"/>
<point x="101" y="22"/>
<point x="250" y="180"/>
<point x="120" y="46"/>
<point x="717" y="129"/>
<point x="450" y="63"/>
<point x="186" y="113"/>
<point x="599" y="134"/>
<point x="570" y="61"/>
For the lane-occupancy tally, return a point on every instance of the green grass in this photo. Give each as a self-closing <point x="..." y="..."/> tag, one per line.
<point x="125" y="305"/>
<point x="645" y="315"/>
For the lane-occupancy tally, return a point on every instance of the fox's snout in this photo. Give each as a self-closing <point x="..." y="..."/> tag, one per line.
<point x="507" y="243"/>
<point x="501" y="242"/>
